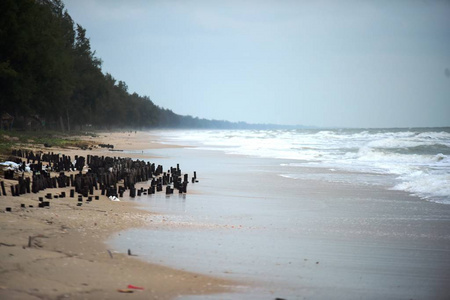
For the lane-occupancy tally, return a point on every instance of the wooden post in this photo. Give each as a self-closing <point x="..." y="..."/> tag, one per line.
<point x="3" y="188"/>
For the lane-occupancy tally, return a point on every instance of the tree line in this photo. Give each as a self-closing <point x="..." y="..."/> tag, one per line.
<point x="51" y="78"/>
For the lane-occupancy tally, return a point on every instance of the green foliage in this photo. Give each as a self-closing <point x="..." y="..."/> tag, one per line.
<point x="10" y="140"/>
<point x="49" y="72"/>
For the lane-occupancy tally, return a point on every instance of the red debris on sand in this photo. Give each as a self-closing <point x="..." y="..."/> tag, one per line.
<point x="130" y="286"/>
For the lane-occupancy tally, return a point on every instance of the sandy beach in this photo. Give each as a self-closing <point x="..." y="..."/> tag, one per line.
<point x="325" y="234"/>
<point x="246" y="231"/>
<point x="59" y="251"/>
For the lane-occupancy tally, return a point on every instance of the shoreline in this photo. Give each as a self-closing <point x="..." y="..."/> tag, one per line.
<point x="298" y="238"/>
<point x="67" y="254"/>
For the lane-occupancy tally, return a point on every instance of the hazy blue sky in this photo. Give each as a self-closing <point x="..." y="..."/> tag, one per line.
<point x="324" y="63"/>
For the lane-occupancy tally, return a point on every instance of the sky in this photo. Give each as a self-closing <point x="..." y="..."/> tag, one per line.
<point x="317" y="63"/>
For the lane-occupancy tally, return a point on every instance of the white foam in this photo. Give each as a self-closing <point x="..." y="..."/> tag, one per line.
<point x="434" y="187"/>
<point x="404" y="153"/>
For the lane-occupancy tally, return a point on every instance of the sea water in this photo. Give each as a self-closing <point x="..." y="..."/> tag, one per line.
<point x="316" y="214"/>
<point x="418" y="157"/>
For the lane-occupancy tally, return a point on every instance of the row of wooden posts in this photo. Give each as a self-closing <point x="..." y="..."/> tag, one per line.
<point x="103" y="173"/>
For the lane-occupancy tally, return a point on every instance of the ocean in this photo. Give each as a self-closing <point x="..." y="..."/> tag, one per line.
<point x="314" y="214"/>
<point x="418" y="158"/>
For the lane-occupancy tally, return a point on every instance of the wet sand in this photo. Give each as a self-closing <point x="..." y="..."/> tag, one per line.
<point x="297" y="238"/>
<point x="59" y="252"/>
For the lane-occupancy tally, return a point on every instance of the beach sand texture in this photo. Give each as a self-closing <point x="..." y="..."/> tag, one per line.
<point x="59" y="252"/>
<point x="308" y="238"/>
<point x="256" y="235"/>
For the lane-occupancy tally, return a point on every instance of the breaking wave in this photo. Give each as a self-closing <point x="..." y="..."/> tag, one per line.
<point x="418" y="158"/>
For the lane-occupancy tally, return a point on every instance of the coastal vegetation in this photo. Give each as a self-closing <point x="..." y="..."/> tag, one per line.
<point x="50" y="78"/>
<point x="13" y="139"/>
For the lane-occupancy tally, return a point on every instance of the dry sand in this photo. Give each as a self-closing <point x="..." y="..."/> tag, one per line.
<point x="59" y="252"/>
